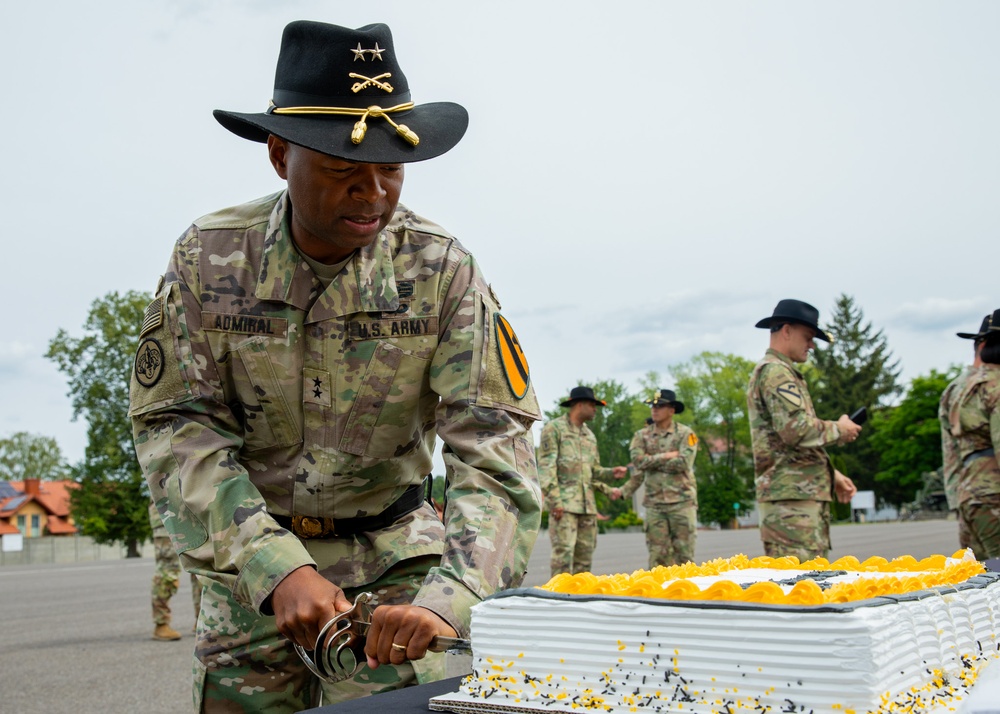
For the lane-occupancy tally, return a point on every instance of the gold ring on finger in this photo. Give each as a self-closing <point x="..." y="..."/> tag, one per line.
<point x="398" y="647"/>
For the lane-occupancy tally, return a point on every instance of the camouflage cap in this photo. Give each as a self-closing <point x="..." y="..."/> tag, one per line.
<point x="341" y="92"/>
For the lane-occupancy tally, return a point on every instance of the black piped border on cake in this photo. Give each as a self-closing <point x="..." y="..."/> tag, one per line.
<point x="981" y="580"/>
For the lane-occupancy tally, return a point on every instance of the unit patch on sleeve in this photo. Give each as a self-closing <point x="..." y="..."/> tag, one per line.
<point x="515" y="365"/>
<point x="149" y="362"/>
<point x="692" y="439"/>
<point x="790" y="391"/>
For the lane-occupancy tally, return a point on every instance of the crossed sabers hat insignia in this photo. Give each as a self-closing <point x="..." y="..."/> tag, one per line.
<point x="358" y="86"/>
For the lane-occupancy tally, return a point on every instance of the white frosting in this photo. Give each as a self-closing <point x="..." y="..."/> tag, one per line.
<point x="638" y="655"/>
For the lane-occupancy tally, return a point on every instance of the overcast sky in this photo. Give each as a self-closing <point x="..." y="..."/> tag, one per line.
<point x="641" y="181"/>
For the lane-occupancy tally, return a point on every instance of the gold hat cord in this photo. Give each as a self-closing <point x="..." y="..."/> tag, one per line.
<point x="360" y="128"/>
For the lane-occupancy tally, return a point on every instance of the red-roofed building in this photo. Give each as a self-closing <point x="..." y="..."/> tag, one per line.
<point x="35" y="508"/>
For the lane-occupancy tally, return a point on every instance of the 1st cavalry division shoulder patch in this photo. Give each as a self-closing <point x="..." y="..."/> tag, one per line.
<point x="790" y="391"/>
<point x="515" y="365"/>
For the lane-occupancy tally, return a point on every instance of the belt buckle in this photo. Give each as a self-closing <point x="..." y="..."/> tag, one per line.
<point x="308" y="526"/>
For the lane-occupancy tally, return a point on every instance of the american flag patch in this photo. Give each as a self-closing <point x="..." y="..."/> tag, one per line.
<point x="153" y="317"/>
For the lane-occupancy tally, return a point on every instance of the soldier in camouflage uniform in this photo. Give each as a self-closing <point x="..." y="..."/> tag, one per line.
<point x="975" y="424"/>
<point x="795" y="480"/>
<point x="951" y="463"/>
<point x="299" y="357"/>
<point x="568" y="468"/>
<point x="663" y="458"/>
<point x="166" y="578"/>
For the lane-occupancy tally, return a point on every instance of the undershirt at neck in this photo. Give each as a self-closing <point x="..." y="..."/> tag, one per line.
<point x="324" y="272"/>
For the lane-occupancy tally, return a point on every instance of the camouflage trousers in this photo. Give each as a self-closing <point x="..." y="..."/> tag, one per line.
<point x="242" y="663"/>
<point x="671" y="530"/>
<point x="166" y="580"/>
<point x="799" y="528"/>
<point x="979" y="526"/>
<point x="574" y="537"/>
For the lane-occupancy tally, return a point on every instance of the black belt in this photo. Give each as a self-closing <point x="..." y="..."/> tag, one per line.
<point x="321" y="527"/>
<point x="977" y="455"/>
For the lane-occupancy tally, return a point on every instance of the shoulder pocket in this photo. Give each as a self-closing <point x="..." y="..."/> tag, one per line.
<point x="158" y="379"/>
<point x="503" y="372"/>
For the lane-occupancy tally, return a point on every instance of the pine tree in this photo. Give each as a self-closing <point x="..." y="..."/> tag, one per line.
<point x="856" y="370"/>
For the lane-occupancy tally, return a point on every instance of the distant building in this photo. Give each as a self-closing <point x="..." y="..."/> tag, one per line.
<point x="35" y="508"/>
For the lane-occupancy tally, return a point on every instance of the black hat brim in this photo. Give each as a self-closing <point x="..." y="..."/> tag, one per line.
<point x="439" y="126"/>
<point x="768" y="321"/>
<point x="571" y="402"/>
<point x="678" y="406"/>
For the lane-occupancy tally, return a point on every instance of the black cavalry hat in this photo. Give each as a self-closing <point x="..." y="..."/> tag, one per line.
<point x="341" y="92"/>
<point x="990" y="326"/>
<point x="798" y="312"/>
<point x="665" y="396"/>
<point x="582" y="394"/>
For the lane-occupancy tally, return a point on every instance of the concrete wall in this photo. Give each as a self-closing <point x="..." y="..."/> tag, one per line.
<point x="66" y="549"/>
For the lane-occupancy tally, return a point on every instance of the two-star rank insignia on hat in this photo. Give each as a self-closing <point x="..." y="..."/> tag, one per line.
<point x="515" y="365"/>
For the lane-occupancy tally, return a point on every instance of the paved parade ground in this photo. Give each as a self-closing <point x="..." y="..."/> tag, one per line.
<point x="76" y="638"/>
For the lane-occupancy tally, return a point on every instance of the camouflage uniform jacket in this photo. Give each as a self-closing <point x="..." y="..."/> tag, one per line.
<point x="951" y="463"/>
<point x="667" y="480"/>
<point x="976" y="426"/>
<point x="257" y="392"/>
<point x="788" y="438"/>
<point x="568" y="466"/>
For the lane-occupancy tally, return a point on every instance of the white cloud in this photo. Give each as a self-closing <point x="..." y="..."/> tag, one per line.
<point x="936" y="314"/>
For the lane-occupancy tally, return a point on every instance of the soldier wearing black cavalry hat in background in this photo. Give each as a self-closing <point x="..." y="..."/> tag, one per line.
<point x="794" y="478"/>
<point x="663" y="454"/>
<point x="569" y="470"/>
<point x="951" y="463"/>
<point x="301" y="354"/>
<point x="974" y="423"/>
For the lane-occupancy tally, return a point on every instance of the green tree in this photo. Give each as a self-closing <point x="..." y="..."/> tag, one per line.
<point x="713" y="387"/>
<point x="111" y="503"/>
<point x="856" y="370"/>
<point x="908" y="437"/>
<point x="613" y="427"/>
<point x="24" y="455"/>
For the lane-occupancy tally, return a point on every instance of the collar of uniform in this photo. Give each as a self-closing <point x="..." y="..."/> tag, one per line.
<point x="368" y="283"/>
<point x="783" y="358"/>
<point x="283" y="275"/>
